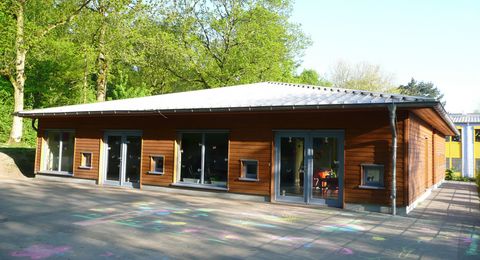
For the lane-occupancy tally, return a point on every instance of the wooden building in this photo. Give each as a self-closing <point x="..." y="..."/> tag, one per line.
<point x="285" y="142"/>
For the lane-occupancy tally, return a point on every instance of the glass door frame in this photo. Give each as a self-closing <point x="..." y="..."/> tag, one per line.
<point x="308" y="136"/>
<point x="123" y="155"/>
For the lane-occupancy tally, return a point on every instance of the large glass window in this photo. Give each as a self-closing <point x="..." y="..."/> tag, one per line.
<point x="59" y="151"/>
<point x="204" y="158"/>
<point x="457" y="164"/>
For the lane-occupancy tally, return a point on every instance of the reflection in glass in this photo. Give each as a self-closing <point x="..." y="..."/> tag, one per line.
<point x="132" y="171"/>
<point x="53" y="147"/>
<point x="67" y="152"/>
<point x="191" y="152"/>
<point x="292" y="166"/>
<point x="59" y="151"/>
<point x="325" y="168"/>
<point x="114" y="157"/>
<point x="216" y="159"/>
<point x="212" y="149"/>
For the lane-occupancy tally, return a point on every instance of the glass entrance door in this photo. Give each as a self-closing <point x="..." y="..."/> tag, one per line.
<point x="114" y="158"/>
<point x="122" y="153"/>
<point x="292" y="167"/>
<point x="309" y="167"/>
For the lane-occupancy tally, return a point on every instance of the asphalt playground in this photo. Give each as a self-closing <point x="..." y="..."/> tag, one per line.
<point x="53" y="220"/>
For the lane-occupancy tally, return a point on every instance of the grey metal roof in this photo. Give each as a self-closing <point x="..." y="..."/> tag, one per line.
<point x="465" y="118"/>
<point x="258" y="96"/>
<point x="264" y="96"/>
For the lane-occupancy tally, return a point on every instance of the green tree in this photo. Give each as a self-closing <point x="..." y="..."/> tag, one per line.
<point x="206" y="44"/>
<point x="23" y="25"/>
<point x="311" y="77"/>
<point x="422" y="89"/>
<point x="122" y="89"/>
<point x="109" y="28"/>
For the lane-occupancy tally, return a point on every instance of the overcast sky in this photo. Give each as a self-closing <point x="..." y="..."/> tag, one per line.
<point x="429" y="40"/>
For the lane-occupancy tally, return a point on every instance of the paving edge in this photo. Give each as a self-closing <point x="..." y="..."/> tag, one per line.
<point x="206" y="193"/>
<point x="64" y="179"/>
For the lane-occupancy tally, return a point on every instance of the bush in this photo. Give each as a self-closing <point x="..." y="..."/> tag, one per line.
<point x="449" y="174"/>
<point x="477" y="180"/>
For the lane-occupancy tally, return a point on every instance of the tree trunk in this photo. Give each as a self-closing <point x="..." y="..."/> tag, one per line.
<point x="18" y="81"/>
<point x="102" y="63"/>
<point x="85" y="76"/>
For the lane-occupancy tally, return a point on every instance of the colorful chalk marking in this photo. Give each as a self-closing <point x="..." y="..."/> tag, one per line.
<point x="205" y="210"/>
<point x="41" y="251"/>
<point x="345" y="251"/>
<point x="103" y="210"/>
<point x="343" y="228"/>
<point x="472" y="249"/>
<point x="107" y="254"/>
<point x="251" y="223"/>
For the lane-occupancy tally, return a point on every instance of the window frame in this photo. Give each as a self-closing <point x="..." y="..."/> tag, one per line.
<point x="364" y="170"/>
<point x="86" y="167"/>
<point x="475" y="129"/>
<point x="153" y="164"/>
<point x="45" y="149"/>
<point x="457" y="138"/>
<point x="243" y="170"/>
<point x="202" y="183"/>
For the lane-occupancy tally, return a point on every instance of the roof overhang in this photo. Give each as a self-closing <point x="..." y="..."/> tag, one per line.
<point x="430" y="111"/>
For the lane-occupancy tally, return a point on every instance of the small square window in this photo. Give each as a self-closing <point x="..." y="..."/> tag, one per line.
<point x="86" y="160"/>
<point x="373" y="175"/>
<point x="477" y="135"/>
<point x="447" y="138"/>
<point x="157" y="164"/>
<point x="249" y="169"/>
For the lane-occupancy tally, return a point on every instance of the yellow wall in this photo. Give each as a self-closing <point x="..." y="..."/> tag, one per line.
<point x="454" y="149"/>
<point x="476" y="150"/>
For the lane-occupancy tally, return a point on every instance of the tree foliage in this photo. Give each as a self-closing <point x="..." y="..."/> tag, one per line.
<point x="311" y="77"/>
<point x="362" y="76"/>
<point x="422" y="89"/>
<point x="83" y="51"/>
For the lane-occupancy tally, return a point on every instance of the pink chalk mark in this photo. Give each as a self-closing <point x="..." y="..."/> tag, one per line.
<point x="40" y="251"/>
<point x="191" y="230"/>
<point x="107" y="254"/>
<point x="467" y="240"/>
<point x="345" y="251"/>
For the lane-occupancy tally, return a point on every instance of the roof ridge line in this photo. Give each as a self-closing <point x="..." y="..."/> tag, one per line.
<point x="354" y="91"/>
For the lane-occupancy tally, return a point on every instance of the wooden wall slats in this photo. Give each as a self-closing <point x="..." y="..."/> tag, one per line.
<point x="426" y="157"/>
<point x="367" y="140"/>
<point x="87" y="141"/>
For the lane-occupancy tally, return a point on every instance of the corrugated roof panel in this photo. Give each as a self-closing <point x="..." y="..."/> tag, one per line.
<point x="266" y="94"/>
<point x="465" y="118"/>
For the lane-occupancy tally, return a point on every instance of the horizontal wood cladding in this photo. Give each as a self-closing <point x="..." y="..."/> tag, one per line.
<point x="254" y="144"/>
<point x="439" y="157"/>
<point x="367" y="140"/>
<point x="424" y="157"/>
<point x="38" y="152"/>
<point x="158" y="142"/>
<point x="87" y="141"/>
<point x="372" y="146"/>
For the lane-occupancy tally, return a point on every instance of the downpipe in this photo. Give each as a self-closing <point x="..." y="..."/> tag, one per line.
<point x="393" y="125"/>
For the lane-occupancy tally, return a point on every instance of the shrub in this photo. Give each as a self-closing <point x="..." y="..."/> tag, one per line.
<point x="449" y="174"/>
<point x="477" y="180"/>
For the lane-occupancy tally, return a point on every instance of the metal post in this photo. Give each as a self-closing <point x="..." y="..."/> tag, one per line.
<point x="393" y="118"/>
